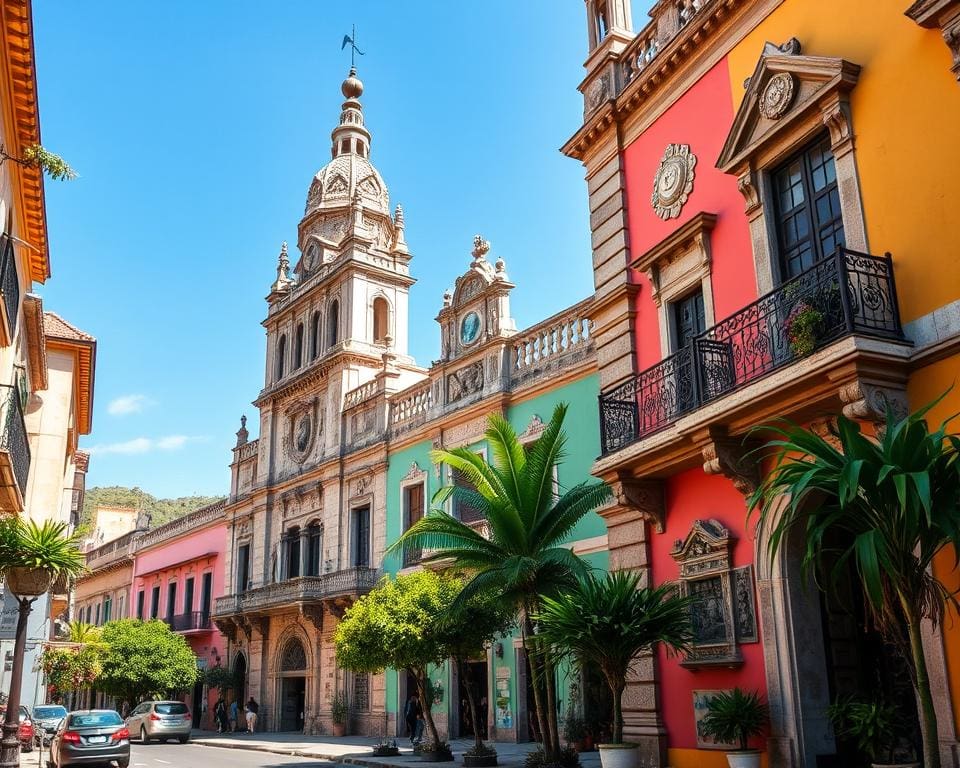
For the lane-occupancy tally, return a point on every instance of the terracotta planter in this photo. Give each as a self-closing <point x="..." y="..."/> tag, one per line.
<point x="339" y="729"/>
<point x="27" y="582"/>
<point x="626" y="755"/>
<point x="748" y="759"/>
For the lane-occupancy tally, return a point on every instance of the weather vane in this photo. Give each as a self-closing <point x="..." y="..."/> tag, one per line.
<point x="352" y="39"/>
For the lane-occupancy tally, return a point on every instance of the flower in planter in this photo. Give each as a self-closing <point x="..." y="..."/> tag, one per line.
<point x="803" y="326"/>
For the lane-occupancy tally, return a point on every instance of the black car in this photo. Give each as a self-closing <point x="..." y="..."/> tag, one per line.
<point x="91" y="736"/>
<point x="46" y="720"/>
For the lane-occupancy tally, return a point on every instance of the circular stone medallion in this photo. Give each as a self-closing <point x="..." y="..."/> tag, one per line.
<point x="673" y="182"/>
<point x="469" y="328"/>
<point x="777" y="96"/>
<point x="303" y="433"/>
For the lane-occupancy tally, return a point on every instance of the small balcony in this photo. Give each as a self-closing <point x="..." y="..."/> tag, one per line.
<point x="14" y="452"/>
<point x="847" y="294"/>
<point x="192" y="621"/>
<point x="348" y="583"/>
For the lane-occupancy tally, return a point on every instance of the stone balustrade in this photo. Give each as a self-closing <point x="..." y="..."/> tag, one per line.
<point x="344" y="583"/>
<point x="410" y="407"/>
<point x="361" y="394"/>
<point x="563" y="334"/>
<point x="113" y="551"/>
<point x="248" y="450"/>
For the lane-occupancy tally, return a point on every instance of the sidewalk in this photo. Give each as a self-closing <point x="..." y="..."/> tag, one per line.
<point x="358" y="750"/>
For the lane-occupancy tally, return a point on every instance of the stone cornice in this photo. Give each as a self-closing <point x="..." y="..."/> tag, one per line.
<point x="212" y="513"/>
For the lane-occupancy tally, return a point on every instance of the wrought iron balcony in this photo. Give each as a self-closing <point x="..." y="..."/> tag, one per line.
<point x="193" y="621"/>
<point x="14" y="451"/>
<point x="9" y="287"/>
<point x="350" y="582"/>
<point x="848" y="293"/>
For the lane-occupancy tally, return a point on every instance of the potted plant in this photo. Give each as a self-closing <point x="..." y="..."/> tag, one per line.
<point x="804" y="326"/>
<point x="877" y="728"/>
<point x="339" y="712"/>
<point x="575" y="730"/>
<point x="386" y="748"/>
<point x="736" y="716"/>
<point x="604" y="623"/>
<point x="436" y="752"/>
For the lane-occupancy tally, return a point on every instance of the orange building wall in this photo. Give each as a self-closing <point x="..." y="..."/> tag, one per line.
<point x="906" y="113"/>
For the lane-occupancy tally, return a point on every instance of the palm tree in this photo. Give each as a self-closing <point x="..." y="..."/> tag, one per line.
<point x="523" y="557"/>
<point x="81" y="632"/>
<point x="894" y="503"/>
<point x="31" y="556"/>
<point x="603" y="623"/>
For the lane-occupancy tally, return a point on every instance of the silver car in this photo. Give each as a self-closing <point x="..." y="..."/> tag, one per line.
<point x="160" y="720"/>
<point x="90" y="737"/>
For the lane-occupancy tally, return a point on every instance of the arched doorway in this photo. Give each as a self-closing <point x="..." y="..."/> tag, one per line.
<point x="293" y="685"/>
<point x="240" y="684"/>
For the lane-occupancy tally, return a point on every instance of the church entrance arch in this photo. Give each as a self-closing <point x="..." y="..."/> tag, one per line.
<point x="293" y="685"/>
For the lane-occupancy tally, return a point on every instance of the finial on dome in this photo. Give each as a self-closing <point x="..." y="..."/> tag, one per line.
<point x="283" y="280"/>
<point x="242" y="434"/>
<point x="447" y="297"/>
<point x="481" y="247"/>
<point x="352" y="87"/>
<point x="398" y="216"/>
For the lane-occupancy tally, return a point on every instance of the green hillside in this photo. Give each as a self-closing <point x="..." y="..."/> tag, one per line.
<point x="162" y="510"/>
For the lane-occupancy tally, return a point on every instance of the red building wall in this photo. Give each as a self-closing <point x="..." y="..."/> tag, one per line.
<point x="700" y="118"/>
<point x="692" y="496"/>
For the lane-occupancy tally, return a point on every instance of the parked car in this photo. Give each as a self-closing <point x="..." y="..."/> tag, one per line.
<point x="90" y="736"/>
<point x="161" y="720"/>
<point x="46" y="720"/>
<point x="25" y="734"/>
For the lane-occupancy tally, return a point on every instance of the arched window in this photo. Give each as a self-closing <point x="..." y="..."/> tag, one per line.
<point x="381" y="315"/>
<point x="315" y="336"/>
<point x="298" y="347"/>
<point x="281" y="355"/>
<point x="333" y="324"/>
<point x="294" y="658"/>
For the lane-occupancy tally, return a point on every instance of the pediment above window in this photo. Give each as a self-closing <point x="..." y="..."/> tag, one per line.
<point x="679" y="261"/>
<point x="705" y="549"/>
<point x="784" y="91"/>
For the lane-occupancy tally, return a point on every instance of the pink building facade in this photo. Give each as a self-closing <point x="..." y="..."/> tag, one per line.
<point x="178" y="572"/>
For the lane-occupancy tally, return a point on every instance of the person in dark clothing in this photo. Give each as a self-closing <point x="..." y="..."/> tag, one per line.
<point x="252" y="709"/>
<point x="220" y="715"/>
<point x="413" y="714"/>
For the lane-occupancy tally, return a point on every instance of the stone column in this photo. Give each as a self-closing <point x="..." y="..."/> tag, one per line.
<point x="304" y="551"/>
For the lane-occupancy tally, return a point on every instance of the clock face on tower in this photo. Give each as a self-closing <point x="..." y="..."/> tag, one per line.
<point x="469" y="328"/>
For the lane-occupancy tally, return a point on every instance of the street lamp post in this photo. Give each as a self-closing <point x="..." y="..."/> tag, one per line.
<point x="10" y="744"/>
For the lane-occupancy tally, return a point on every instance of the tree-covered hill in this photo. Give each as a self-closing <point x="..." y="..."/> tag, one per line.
<point x="162" y="510"/>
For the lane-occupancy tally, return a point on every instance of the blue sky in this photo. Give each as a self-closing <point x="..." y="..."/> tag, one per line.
<point x="196" y="128"/>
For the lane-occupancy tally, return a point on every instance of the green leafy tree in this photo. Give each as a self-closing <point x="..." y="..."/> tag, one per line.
<point x="523" y="558"/>
<point x="397" y="625"/>
<point x="145" y="659"/>
<point x="222" y="679"/>
<point x="603" y="623"/>
<point x="465" y="631"/>
<point x="887" y="506"/>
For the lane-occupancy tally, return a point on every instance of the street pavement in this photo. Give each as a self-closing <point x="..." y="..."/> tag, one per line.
<point x="173" y="755"/>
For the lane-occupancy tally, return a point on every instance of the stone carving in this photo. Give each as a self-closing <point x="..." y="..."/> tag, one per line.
<point x="303" y="425"/>
<point x="730" y="457"/>
<point x="673" y="181"/>
<point x="745" y="610"/>
<point x="294" y="657"/>
<point x="333" y="228"/>
<point x="413" y="473"/>
<point x="242" y="528"/>
<point x="869" y="402"/>
<point x="242" y="434"/>
<point x="777" y="96"/>
<point x="470" y="288"/>
<point x="465" y="382"/>
<point x="336" y="187"/>
<point x="644" y="496"/>
<point x="534" y="429"/>
<point x="598" y="92"/>
<point x="361" y="485"/>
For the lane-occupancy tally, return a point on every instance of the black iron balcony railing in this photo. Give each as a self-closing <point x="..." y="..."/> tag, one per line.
<point x="185" y="622"/>
<point x="9" y="283"/>
<point x="14" y="443"/>
<point x="345" y="583"/>
<point x="846" y="293"/>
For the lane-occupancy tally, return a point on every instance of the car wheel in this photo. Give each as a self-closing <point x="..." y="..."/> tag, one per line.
<point x="184" y="739"/>
<point x="143" y="735"/>
<point x="123" y="763"/>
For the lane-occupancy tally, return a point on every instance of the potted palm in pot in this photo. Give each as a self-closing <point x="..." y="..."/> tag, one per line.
<point x="878" y="729"/>
<point x="604" y="623"/>
<point x="339" y="712"/>
<point x="736" y="716"/>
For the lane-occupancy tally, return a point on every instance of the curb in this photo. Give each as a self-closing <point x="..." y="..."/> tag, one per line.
<point x="271" y="750"/>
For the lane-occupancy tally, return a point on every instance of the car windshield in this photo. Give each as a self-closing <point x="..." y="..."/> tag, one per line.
<point x="171" y="709"/>
<point x="49" y="713"/>
<point x="91" y="719"/>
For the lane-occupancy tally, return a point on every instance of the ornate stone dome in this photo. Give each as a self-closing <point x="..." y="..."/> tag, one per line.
<point x="349" y="174"/>
<point x="339" y="181"/>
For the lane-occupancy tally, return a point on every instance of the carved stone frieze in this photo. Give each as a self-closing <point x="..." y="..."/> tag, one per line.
<point x="777" y="96"/>
<point x="414" y="473"/>
<point x="869" y="402"/>
<point x="534" y="429"/>
<point x="673" y="181"/>
<point x="313" y="612"/>
<point x="732" y="458"/>
<point x="465" y="381"/>
<point x="644" y="496"/>
<point x="598" y="92"/>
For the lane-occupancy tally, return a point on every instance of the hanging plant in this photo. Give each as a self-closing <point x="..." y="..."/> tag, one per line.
<point x="804" y="327"/>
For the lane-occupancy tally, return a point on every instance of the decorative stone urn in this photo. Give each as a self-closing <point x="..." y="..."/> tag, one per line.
<point x="626" y="755"/>
<point x="28" y="582"/>
<point x="748" y="759"/>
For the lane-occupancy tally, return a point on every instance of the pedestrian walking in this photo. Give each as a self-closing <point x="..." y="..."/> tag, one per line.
<point x="220" y="715"/>
<point x="413" y="714"/>
<point x="234" y="715"/>
<point x="252" y="709"/>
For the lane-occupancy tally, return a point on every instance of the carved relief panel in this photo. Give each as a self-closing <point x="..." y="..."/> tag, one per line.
<point x="723" y="613"/>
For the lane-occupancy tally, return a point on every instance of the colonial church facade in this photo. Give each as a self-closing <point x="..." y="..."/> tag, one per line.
<point x="347" y="421"/>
